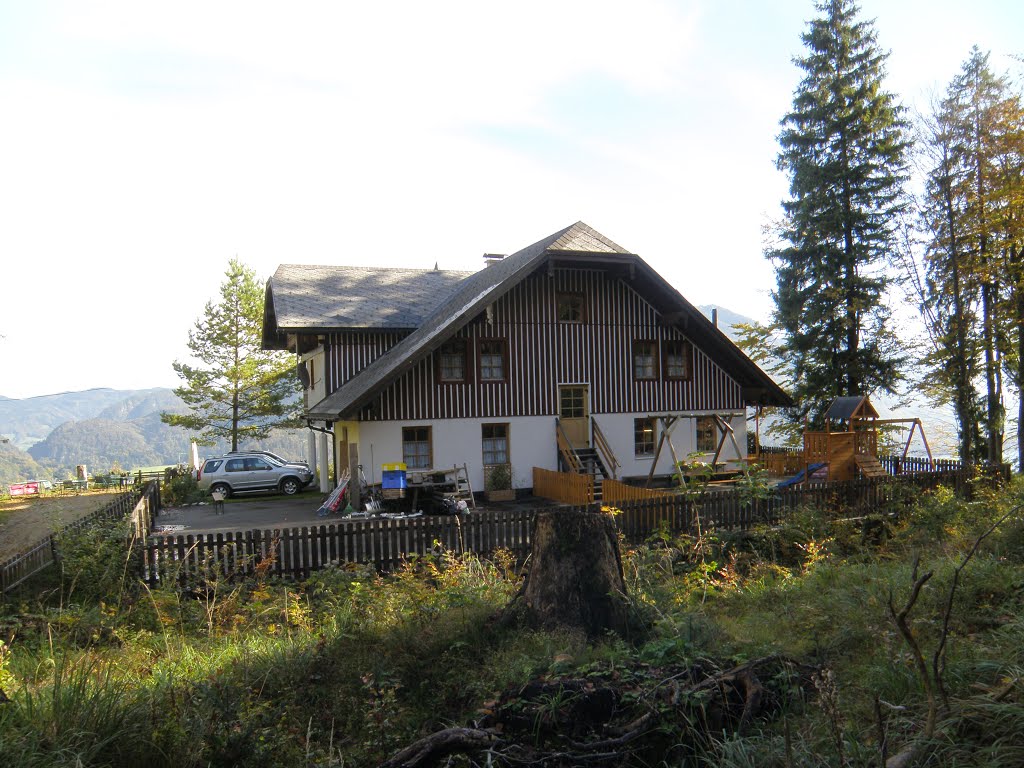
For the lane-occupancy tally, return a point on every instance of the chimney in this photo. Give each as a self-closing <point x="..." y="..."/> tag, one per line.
<point x="493" y="258"/>
<point x="714" y="316"/>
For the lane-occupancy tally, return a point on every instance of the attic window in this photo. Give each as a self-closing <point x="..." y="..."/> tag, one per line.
<point x="678" y="355"/>
<point x="451" y="363"/>
<point x="492" y="360"/>
<point x="571" y="308"/>
<point x="645" y="360"/>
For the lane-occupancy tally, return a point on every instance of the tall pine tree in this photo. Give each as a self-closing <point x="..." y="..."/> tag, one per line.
<point x="843" y="146"/>
<point x="971" y="212"/>
<point x="239" y="391"/>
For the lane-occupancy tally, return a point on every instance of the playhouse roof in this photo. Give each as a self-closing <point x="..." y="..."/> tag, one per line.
<point x="846" y="408"/>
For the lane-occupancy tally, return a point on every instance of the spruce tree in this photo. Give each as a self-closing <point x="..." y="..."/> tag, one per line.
<point x="843" y="147"/>
<point x="238" y="390"/>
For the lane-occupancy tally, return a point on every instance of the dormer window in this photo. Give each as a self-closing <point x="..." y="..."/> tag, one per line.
<point x="571" y="308"/>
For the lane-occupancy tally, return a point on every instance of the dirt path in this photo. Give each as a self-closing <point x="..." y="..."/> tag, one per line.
<point x="24" y="521"/>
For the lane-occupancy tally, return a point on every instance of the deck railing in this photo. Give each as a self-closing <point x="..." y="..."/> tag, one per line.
<point x="604" y="449"/>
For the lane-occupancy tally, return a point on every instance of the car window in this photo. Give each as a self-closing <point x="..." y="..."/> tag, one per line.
<point x="257" y="464"/>
<point x="235" y="465"/>
<point x="212" y="465"/>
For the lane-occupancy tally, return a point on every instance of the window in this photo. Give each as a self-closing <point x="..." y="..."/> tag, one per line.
<point x="257" y="465"/>
<point x="573" y="403"/>
<point x="416" y="447"/>
<point x="707" y="434"/>
<point x="492" y="360"/>
<point x="644" y="357"/>
<point x="212" y="465"/>
<point x="235" y="465"/>
<point x="495" y="443"/>
<point x="677" y="359"/>
<point x="570" y="308"/>
<point x="643" y="437"/>
<point x="451" y="361"/>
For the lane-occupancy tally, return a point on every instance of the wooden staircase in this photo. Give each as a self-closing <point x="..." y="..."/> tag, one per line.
<point x="590" y="463"/>
<point x="869" y="465"/>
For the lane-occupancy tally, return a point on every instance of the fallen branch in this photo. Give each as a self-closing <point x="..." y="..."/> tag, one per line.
<point x="431" y="749"/>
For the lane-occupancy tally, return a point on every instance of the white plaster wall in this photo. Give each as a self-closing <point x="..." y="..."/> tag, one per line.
<point x="531" y="444"/>
<point x="458" y="442"/>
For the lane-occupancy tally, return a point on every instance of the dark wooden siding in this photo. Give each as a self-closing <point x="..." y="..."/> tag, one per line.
<point x="349" y="352"/>
<point x="544" y="353"/>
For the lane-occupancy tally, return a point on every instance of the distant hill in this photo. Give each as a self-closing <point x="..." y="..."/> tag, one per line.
<point x="102" y="428"/>
<point x="17" y="466"/>
<point x="727" y="319"/>
<point x="30" y="420"/>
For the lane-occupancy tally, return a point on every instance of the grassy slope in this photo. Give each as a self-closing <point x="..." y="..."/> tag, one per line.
<point x="27" y="519"/>
<point x="347" y="667"/>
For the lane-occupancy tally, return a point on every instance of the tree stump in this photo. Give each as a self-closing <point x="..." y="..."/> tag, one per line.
<point x="575" y="577"/>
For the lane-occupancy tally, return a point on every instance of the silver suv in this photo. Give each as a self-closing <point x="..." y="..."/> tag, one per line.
<point x="240" y="472"/>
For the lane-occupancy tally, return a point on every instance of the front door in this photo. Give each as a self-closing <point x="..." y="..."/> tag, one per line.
<point x="574" y="413"/>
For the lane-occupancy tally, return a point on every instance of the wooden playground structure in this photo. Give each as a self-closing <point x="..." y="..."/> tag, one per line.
<point x="849" y="444"/>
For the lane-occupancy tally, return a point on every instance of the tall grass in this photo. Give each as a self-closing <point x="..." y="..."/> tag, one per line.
<point x="347" y="666"/>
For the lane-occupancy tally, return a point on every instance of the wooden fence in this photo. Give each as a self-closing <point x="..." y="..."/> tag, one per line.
<point x="563" y="487"/>
<point x="387" y="543"/>
<point x="138" y="505"/>
<point x="614" y="492"/>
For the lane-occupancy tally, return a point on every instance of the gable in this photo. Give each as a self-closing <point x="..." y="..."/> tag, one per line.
<point x="562" y="250"/>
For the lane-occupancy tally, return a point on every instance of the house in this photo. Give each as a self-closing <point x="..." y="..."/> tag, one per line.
<point x="572" y="352"/>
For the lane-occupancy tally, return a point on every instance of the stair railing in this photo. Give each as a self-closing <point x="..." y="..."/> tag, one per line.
<point x="565" y="448"/>
<point x="604" y="449"/>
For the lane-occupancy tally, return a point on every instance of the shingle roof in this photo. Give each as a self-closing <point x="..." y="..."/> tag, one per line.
<point x="479" y="289"/>
<point x="309" y="297"/>
<point x="842" y="408"/>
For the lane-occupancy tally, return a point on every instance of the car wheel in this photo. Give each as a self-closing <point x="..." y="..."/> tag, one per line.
<point x="222" y="488"/>
<point x="290" y="486"/>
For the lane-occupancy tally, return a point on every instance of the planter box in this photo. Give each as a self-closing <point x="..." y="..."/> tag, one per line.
<point x="504" y="494"/>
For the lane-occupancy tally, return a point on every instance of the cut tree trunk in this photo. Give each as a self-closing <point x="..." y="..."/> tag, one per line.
<point x="575" y="578"/>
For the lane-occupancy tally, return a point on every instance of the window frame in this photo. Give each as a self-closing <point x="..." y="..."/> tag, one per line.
<point x="713" y="432"/>
<point x="685" y="352"/>
<point x="571" y="297"/>
<point x="429" y="441"/>
<point x="653" y="347"/>
<point x="583" y="404"/>
<point x="502" y="347"/>
<point x="637" y="423"/>
<point x="466" y="368"/>
<point x="506" y="437"/>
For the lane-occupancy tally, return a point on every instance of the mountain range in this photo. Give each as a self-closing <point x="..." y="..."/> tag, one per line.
<point x="49" y="435"/>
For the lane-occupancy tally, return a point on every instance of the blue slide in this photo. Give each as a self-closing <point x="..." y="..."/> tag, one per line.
<point x="799" y="476"/>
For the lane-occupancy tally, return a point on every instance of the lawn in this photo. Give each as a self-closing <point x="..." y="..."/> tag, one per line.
<point x="25" y="520"/>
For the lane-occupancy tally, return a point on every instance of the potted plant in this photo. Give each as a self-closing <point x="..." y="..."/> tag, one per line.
<point x="498" y="483"/>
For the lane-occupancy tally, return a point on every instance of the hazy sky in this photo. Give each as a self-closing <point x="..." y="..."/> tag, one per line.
<point x="142" y="145"/>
